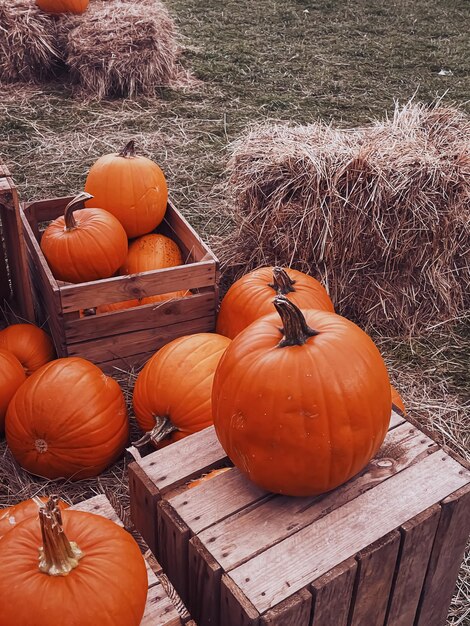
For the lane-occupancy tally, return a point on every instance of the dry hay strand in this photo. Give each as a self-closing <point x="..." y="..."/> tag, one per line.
<point x="380" y="214"/>
<point x="28" y="50"/>
<point x="122" y="49"/>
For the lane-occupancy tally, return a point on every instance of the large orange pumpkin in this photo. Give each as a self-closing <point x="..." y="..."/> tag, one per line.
<point x="131" y="187"/>
<point x="67" y="420"/>
<point x="301" y="409"/>
<point x="84" y="245"/>
<point x="172" y="394"/>
<point x="12" y="376"/>
<point x="397" y="400"/>
<point x="251" y="297"/>
<point x="89" y="572"/>
<point x="31" y="345"/>
<point x="63" y="6"/>
<point x="15" y="514"/>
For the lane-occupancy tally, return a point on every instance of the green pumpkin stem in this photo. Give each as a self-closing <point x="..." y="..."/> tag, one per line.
<point x="162" y="429"/>
<point x="282" y="282"/>
<point x="128" y="152"/>
<point x="295" y="329"/>
<point x="70" y="222"/>
<point x="57" y="556"/>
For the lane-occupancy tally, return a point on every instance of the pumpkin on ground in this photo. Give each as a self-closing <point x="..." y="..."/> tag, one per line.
<point x="12" y="376"/>
<point x="131" y="187"/>
<point x="84" y="245"/>
<point x="397" y="400"/>
<point x="63" y="6"/>
<point x="31" y="345"/>
<point x="67" y="420"/>
<point x="302" y="408"/>
<point x="251" y="297"/>
<point x="172" y="393"/>
<point x="89" y="572"/>
<point x="15" y="514"/>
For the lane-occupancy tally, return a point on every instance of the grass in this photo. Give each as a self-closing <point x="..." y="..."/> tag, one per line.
<point x="297" y="60"/>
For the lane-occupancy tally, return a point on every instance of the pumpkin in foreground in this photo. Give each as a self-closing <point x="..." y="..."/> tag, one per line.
<point x="12" y="376"/>
<point x="251" y="297"/>
<point x="302" y="409"/>
<point x="89" y="572"/>
<point x="67" y="420"/>
<point x="172" y="393"/>
<point x="13" y="515"/>
<point x="31" y="345"/>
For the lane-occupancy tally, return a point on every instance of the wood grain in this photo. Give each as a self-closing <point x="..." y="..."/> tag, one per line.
<point x="159" y="610"/>
<point x="332" y="595"/>
<point x="235" y="608"/>
<point x="294" y="611"/>
<point x="172" y="547"/>
<point x="143" y="497"/>
<point x="204" y="585"/>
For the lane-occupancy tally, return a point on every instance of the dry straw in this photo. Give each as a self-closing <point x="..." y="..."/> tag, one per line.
<point x="380" y="214"/>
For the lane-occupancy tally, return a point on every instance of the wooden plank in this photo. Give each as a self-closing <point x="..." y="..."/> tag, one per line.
<point x="376" y="566"/>
<point x="204" y="577"/>
<point x="416" y="545"/>
<point x="186" y="234"/>
<point x="172" y="547"/>
<point x="294" y="611"/>
<point x="446" y="557"/>
<point x="354" y="526"/>
<point x="99" y="505"/>
<point x="127" y="363"/>
<point x="143" y="498"/>
<point x="332" y="595"/>
<point x="159" y="610"/>
<point x="235" y="608"/>
<point x="232" y="541"/>
<point x="139" y="318"/>
<point x="48" y="209"/>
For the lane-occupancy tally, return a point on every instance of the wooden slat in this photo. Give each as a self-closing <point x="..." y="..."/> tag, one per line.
<point x="144" y="496"/>
<point x="172" y="547"/>
<point x="134" y="361"/>
<point x="376" y="566"/>
<point x="235" y="608"/>
<point x="204" y="577"/>
<point x="294" y="611"/>
<point x="159" y="610"/>
<point x="186" y="234"/>
<point x="416" y="545"/>
<point x="446" y="557"/>
<point x="354" y="526"/>
<point x="332" y="594"/>
<point x="99" y="505"/>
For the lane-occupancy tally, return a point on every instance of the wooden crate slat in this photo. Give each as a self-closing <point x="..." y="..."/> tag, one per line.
<point x="204" y="575"/>
<point x="186" y="234"/>
<point x="294" y="611"/>
<point x="159" y="609"/>
<point x="235" y="608"/>
<point x="144" y="496"/>
<point x="172" y="548"/>
<point x="354" y="526"/>
<point x="134" y="361"/>
<point x="332" y="594"/>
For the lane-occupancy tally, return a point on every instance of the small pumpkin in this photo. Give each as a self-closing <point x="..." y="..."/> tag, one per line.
<point x="172" y="393"/>
<point x="131" y="187"/>
<point x="15" y="514"/>
<point x="67" y="420"/>
<point x="251" y="297"/>
<point x="89" y="571"/>
<point x="31" y="345"/>
<point x="84" y="245"/>
<point x="199" y="481"/>
<point x="397" y="400"/>
<point x="12" y="376"/>
<point x="302" y="408"/>
<point x="63" y="6"/>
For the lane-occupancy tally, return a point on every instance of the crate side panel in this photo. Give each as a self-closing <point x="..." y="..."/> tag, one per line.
<point x="332" y="595"/>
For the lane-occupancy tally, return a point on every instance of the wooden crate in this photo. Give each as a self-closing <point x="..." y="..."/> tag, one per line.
<point x="383" y="549"/>
<point x="160" y="609"/>
<point x="15" y="289"/>
<point x="128" y="337"/>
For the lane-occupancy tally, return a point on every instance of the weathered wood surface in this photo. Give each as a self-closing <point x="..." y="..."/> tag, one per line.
<point x="332" y="595"/>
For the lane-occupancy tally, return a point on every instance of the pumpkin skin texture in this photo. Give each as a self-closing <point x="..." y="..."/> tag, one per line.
<point x="172" y="393"/>
<point x="69" y="420"/>
<point x="15" y="514"/>
<point x="301" y="419"/>
<point x="251" y="297"/>
<point x="31" y="345"/>
<point x="84" y="245"/>
<point x="206" y="477"/>
<point x="107" y="587"/>
<point x="397" y="400"/>
<point x="132" y="188"/>
<point x="12" y="376"/>
<point x="63" y="6"/>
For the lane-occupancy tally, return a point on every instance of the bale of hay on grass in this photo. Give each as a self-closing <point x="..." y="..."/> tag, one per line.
<point x="380" y="214"/>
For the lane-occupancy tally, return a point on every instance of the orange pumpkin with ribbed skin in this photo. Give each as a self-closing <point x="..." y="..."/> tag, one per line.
<point x="84" y="245"/>
<point x="15" y="514"/>
<point x="251" y="297"/>
<point x="397" y="400"/>
<point x="31" y="345"/>
<point x="131" y="187"/>
<point x="63" y="6"/>
<point x="301" y="410"/>
<point x="172" y="393"/>
<point x="90" y="572"/>
<point x="67" y="420"/>
<point x="12" y="376"/>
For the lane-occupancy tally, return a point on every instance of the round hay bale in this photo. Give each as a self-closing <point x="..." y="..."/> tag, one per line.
<point x="379" y="214"/>
<point x="28" y="50"/>
<point x="122" y="49"/>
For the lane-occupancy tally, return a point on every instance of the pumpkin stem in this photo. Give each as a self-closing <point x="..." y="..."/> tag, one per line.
<point x="162" y="429"/>
<point x="128" y="152"/>
<point x="58" y="556"/>
<point x="282" y="282"/>
<point x="70" y="222"/>
<point x="295" y="329"/>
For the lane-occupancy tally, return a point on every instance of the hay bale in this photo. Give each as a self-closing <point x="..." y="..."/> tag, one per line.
<point x="122" y="49"/>
<point x="379" y="214"/>
<point x="28" y="50"/>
